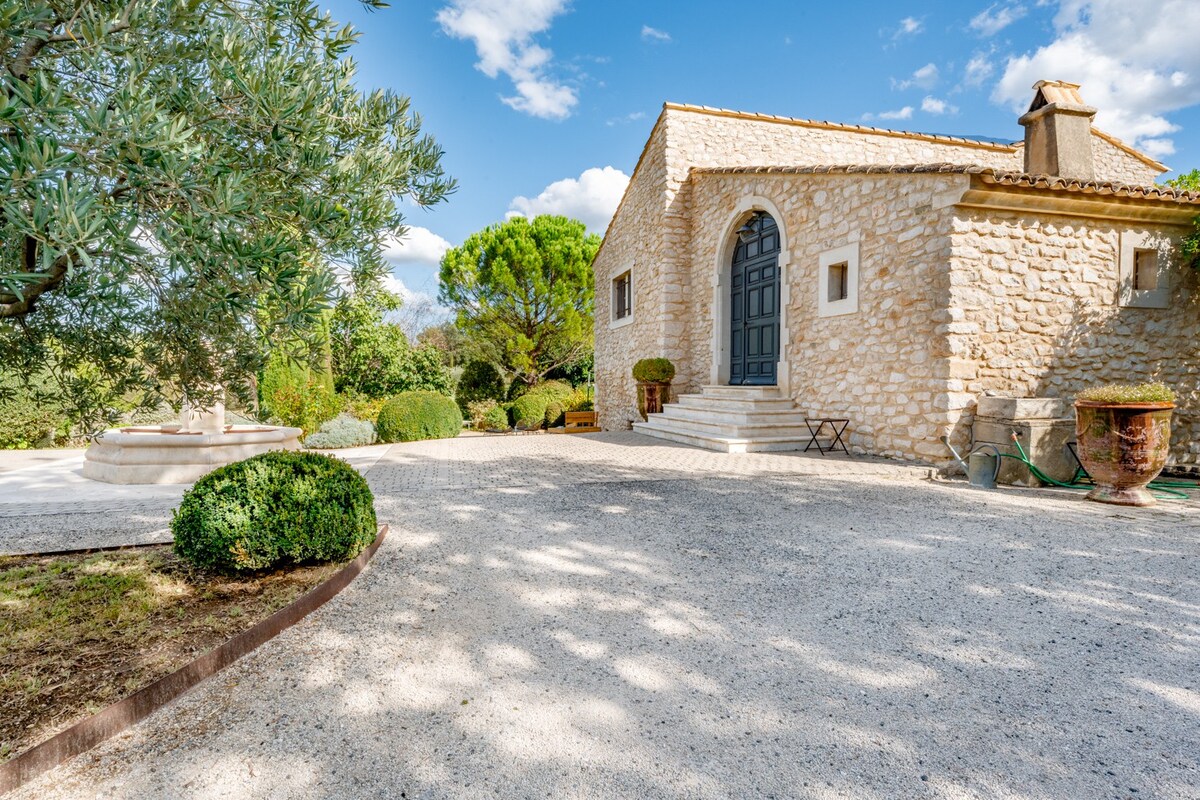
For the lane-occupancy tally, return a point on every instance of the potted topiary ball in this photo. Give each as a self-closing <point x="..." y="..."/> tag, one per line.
<point x="1124" y="436"/>
<point x="653" y="376"/>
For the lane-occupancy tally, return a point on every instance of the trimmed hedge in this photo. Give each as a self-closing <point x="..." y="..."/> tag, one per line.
<point x="555" y="415"/>
<point x="411" y="416"/>
<point x="654" y="370"/>
<point x="274" y="509"/>
<point x="529" y="411"/>
<point x="480" y="381"/>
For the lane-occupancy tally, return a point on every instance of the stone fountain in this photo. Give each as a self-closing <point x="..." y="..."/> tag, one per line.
<point x="181" y="453"/>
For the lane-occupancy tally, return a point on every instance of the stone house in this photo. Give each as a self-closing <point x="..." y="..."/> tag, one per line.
<point x="792" y="268"/>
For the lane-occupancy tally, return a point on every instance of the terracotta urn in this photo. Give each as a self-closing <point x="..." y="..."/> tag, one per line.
<point x="651" y="396"/>
<point x="1123" y="446"/>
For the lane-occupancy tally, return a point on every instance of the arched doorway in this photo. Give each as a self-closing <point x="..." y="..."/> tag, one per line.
<point x="754" y="304"/>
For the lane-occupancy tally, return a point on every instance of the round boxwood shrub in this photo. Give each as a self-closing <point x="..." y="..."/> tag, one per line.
<point x="480" y="381"/>
<point x="529" y="411"/>
<point x="654" y="370"/>
<point x="554" y="391"/>
<point x="275" y="509"/>
<point x="410" y="416"/>
<point x="555" y="415"/>
<point x="495" y="419"/>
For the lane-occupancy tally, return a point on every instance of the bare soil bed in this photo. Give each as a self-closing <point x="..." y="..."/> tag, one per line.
<point x="79" y="632"/>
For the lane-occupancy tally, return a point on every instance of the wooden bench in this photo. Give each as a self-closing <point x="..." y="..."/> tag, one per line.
<point x="578" y="422"/>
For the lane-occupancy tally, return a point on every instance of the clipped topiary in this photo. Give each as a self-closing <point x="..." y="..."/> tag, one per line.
<point x="555" y="415"/>
<point x="480" y="381"/>
<point x="411" y="416"/>
<point x="274" y="509"/>
<point x="529" y="411"/>
<point x="495" y="419"/>
<point x="654" y="370"/>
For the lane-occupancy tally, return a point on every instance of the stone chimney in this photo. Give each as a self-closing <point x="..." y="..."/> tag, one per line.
<point x="1058" y="132"/>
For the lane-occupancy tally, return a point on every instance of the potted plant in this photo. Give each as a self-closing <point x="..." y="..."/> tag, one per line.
<point x="653" y="376"/>
<point x="1124" y="436"/>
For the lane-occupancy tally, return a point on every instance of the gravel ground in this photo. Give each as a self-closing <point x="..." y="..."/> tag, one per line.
<point x="734" y="636"/>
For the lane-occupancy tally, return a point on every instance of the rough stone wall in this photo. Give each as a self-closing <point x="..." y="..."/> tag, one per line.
<point x="706" y="140"/>
<point x="876" y="367"/>
<point x="656" y="234"/>
<point x="634" y="242"/>
<point x="1035" y="310"/>
<point x="652" y="230"/>
<point x="1114" y="164"/>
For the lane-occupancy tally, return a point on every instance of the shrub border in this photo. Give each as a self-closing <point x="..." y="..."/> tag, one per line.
<point x="125" y="713"/>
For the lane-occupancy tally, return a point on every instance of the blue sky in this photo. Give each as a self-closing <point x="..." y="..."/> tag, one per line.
<point x="544" y="105"/>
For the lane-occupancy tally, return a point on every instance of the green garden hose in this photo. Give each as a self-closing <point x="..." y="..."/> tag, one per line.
<point x="1167" y="490"/>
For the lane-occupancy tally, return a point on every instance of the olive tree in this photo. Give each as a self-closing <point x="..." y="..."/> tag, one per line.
<point x="523" y="289"/>
<point x="179" y="177"/>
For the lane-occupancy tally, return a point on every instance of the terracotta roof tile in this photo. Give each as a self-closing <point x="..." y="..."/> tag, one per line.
<point x="987" y="174"/>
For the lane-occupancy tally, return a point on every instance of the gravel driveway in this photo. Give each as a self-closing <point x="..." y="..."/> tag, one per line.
<point x="766" y="629"/>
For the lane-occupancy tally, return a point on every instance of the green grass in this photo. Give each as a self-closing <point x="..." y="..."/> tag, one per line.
<point x="79" y="632"/>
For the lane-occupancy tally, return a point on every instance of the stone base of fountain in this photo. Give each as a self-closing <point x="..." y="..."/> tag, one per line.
<point x="180" y="453"/>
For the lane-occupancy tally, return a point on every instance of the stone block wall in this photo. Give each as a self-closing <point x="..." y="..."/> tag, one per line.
<point x="1115" y="164"/>
<point x="1034" y="301"/>
<point x="634" y="242"/>
<point x="669" y="225"/>
<point x="877" y="366"/>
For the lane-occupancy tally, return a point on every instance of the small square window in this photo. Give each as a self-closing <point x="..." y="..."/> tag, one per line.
<point x="1145" y="270"/>
<point x="838" y="281"/>
<point x="622" y="296"/>
<point x="1142" y="265"/>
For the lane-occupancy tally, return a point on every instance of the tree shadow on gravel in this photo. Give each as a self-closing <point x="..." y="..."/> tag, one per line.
<point x="755" y="636"/>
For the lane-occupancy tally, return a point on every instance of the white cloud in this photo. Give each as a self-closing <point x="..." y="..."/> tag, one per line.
<point x="418" y="310"/>
<point x="1158" y="148"/>
<point x="900" y="113"/>
<point x="991" y="21"/>
<point x="926" y="78"/>
<point x="909" y="26"/>
<point x="417" y="246"/>
<point x="654" y="35"/>
<point x="592" y="198"/>
<point x="978" y="70"/>
<point x="932" y="105"/>
<point x="503" y="31"/>
<point x="1136" y="62"/>
<point x="632" y="117"/>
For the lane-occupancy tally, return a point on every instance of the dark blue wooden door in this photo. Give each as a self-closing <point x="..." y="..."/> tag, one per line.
<point x="754" y="304"/>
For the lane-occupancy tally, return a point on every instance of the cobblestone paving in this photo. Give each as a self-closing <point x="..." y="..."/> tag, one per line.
<point x="46" y="505"/>
<point x="545" y="460"/>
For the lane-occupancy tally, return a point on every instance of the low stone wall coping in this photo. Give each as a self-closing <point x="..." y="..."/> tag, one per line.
<point x="1023" y="408"/>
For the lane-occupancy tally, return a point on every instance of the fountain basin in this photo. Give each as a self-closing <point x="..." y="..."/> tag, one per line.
<point x="169" y="454"/>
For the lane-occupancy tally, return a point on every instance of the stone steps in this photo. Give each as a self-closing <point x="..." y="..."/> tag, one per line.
<point x="731" y="419"/>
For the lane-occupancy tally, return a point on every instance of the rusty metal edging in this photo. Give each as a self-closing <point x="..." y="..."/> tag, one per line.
<point x="103" y="725"/>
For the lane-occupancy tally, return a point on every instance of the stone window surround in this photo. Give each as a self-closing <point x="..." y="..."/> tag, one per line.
<point x="620" y="322"/>
<point x="719" y="374"/>
<point x="848" y="255"/>
<point x="1127" y="296"/>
